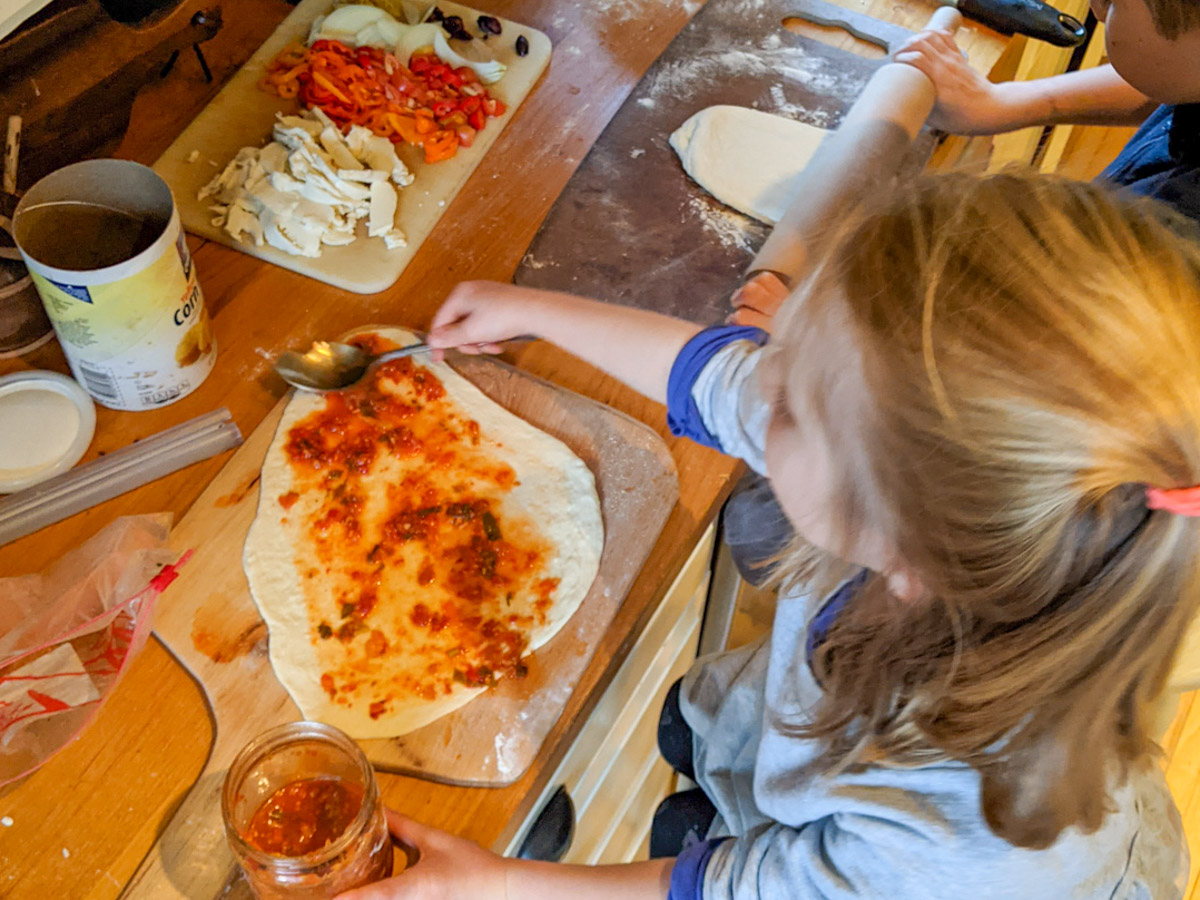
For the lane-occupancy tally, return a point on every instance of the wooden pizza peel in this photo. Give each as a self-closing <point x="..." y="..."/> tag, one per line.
<point x="631" y="227"/>
<point x="209" y="622"/>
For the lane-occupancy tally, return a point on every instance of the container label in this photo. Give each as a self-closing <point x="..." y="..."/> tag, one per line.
<point x="78" y="291"/>
<point x="139" y="342"/>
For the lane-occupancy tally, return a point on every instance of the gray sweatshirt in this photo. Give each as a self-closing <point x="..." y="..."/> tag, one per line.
<point x="886" y="832"/>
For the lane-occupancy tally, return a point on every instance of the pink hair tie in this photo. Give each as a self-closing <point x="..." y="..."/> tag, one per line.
<point x="1181" y="501"/>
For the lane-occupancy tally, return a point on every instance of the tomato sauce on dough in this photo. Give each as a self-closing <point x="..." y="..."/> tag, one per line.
<point x="413" y="557"/>
<point x="304" y="816"/>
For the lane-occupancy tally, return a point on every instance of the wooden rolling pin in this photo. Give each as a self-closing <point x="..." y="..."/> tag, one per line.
<point x="864" y="152"/>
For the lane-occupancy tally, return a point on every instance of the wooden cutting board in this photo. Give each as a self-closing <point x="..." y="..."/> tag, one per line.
<point x="631" y="227"/>
<point x="241" y="115"/>
<point x="210" y="623"/>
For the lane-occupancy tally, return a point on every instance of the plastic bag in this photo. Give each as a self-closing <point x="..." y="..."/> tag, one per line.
<point x="67" y="635"/>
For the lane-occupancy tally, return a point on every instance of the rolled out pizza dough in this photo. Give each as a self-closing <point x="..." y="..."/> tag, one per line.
<point x="747" y="159"/>
<point x="413" y="533"/>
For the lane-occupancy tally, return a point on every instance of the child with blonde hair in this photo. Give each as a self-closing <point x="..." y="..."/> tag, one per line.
<point x="981" y="414"/>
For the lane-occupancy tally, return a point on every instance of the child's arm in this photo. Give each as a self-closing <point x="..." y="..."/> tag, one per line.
<point x="450" y="868"/>
<point x="636" y="346"/>
<point x="967" y="103"/>
<point x="554" y="881"/>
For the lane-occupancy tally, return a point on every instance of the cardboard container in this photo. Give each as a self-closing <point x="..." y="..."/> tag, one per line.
<point x="103" y="243"/>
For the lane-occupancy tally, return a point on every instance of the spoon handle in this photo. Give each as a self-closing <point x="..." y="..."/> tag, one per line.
<point x="410" y="350"/>
<point x="422" y="347"/>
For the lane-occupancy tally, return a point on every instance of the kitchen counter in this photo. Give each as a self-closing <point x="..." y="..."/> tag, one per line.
<point x="83" y="822"/>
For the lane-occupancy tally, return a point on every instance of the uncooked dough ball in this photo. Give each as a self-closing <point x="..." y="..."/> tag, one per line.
<point x="747" y="159"/>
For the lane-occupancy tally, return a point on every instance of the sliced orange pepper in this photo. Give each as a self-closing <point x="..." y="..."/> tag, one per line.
<point x="441" y="145"/>
<point x="406" y="127"/>
<point x="330" y="87"/>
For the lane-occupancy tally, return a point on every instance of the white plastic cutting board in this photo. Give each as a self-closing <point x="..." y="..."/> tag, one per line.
<point x="242" y="115"/>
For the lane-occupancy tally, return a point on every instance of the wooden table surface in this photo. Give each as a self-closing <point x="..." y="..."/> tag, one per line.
<point x="82" y="823"/>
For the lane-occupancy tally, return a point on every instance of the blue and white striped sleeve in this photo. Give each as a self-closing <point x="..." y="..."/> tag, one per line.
<point x="712" y="397"/>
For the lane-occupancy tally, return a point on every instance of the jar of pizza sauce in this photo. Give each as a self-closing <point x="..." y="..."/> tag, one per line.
<point x="303" y="815"/>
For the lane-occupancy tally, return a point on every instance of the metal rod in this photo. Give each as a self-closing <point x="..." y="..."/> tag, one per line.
<point x="102" y="479"/>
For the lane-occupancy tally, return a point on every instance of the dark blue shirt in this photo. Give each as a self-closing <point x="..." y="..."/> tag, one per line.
<point x="1162" y="160"/>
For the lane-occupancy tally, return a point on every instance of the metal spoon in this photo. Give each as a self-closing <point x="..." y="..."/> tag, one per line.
<point x="330" y="366"/>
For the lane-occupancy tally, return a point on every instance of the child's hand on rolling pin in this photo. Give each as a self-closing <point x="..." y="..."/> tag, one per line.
<point x="447" y="868"/>
<point x="967" y="103"/>
<point x="756" y="302"/>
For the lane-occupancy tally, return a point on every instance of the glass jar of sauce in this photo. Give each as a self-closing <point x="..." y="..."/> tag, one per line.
<point x="303" y="816"/>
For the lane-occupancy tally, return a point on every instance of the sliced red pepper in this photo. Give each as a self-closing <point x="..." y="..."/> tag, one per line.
<point x="331" y="88"/>
<point x="427" y="102"/>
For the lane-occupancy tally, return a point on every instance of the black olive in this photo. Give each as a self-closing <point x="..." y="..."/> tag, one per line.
<point x="522" y="45"/>
<point x="453" y="25"/>
<point x="436" y="15"/>
<point x="489" y="24"/>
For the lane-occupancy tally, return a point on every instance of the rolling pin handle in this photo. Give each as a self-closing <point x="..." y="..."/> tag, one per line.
<point x="865" y="151"/>
<point x="945" y="18"/>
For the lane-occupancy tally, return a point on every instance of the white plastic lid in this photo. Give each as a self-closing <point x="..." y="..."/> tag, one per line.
<point x="46" y="424"/>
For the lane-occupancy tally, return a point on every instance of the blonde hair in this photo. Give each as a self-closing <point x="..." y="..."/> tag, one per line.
<point x="1173" y="17"/>
<point x="1028" y="353"/>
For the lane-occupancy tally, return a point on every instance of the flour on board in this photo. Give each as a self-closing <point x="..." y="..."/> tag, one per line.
<point x="681" y="79"/>
<point x="619" y="11"/>
<point x="782" y="106"/>
<point x="731" y="228"/>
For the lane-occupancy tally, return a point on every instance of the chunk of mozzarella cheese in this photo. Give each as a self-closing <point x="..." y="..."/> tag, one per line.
<point x="383" y="209"/>
<point x="310" y="186"/>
